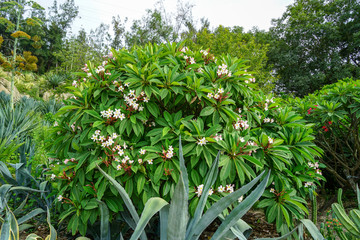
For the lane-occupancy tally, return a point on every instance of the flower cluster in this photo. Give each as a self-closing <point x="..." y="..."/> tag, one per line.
<point x="131" y="100"/>
<point x="268" y="120"/>
<point x="310" y="109"/>
<point x="217" y="137"/>
<point x="267" y="102"/>
<point x="218" y="95"/>
<point x="113" y="114"/>
<point x="204" y="52"/>
<point x="69" y="160"/>
<point x="270" y="140"/>
<point x="184" y="49"/>
<point x="202" y="141"/>
<point x="315" y="166"/>
<point x="326" y="129"/>
<point x="241" y="124"/>
<point x="228" y="189"/>
<point x="189" y="60"/>
<point x="250" y="80"/>
<point x="223" y="71"/>
<point x="169" y="153"/>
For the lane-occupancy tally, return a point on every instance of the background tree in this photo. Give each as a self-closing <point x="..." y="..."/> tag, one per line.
<point x="12" y="21"/>
<point x="316" y="42"/>
<point x="237" y="43"/>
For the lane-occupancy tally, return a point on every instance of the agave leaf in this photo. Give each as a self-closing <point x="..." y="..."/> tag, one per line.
<point x="311" y="227"/>
<point x="22" y="205"/>
<point x="125" y="197"/>
<point x="33" y="236"/>
<point x="183" y="168"/>
<point x="7" y="175"/>
<point x="240" y="230"/>
<point x="104" y="222"/>
<point x="178" y="212"/>
<point x="53" y="233"/>
<point x="164" y="216"/>
<point x="25" y="226"/>
<point x="209" y="181"/>
<point x="282" y="237"/>
<point x="14" y="226"/>
<point x="152" y="206"/>
<point x="241" y="209"/>
<point x="30" y="215"/>
<point x="5" y="228"/>
<point x="125" y="215"/>
<point x="217" y="208"/>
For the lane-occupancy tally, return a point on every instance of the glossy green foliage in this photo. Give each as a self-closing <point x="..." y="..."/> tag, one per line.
<point x="127" y="114"/>
<point x="334" y="113"/>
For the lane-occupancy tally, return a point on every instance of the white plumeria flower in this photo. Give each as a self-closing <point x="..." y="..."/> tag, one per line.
<point x="270" y="140"/>
<point x="146" y="99"/>
<point x="142" y="151"/>
<point x="192" y="60"/>
<point x="97" y="132"/>
<point x="199" y="190"/>
<point x="125" y="146"/>
<point x="218" y="137"/>
<point x="216" y="96"/>
<point x="131" y="161"/>
<point x="140" y="161"/>
<point x="210" y="95"/>
<point x="272" y="190"/>
<point x="242" y="139"/>
<point x="53" y="176"/>
<point x="202" y="141"/>
<point x="60" y="198"/>
<point x="150" y="161"/>
<point x="122" y="116"/>
<point x="118" y="167"/>
<point x="230" y="188"/>
<point x="221" y="188"/>
<point x="211" y="192"/>
<point x="121" y="152"/>
<point x="114" y="135"/>
<point x="308" y="184"/>
<point x="94" y="137"/>
<point x="220" y="90"/>
<point x="126" y="84"/>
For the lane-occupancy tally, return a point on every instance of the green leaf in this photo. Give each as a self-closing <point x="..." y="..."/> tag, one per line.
<point x="152" y="206"/>
<point x="207" y="111"/>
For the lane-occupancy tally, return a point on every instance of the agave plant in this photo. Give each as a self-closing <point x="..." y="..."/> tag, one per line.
<point x="174" y="217"/>
<point x="350" y="222"/>
<point x="55" y="80"/>
<point x="10" y="230"/>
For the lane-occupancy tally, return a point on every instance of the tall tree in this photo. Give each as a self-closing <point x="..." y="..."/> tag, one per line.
<point x="12" y="21"/>
<point x="316" y="42"/>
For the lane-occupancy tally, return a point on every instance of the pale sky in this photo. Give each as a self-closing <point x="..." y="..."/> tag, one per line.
<point x="244" y="13"/>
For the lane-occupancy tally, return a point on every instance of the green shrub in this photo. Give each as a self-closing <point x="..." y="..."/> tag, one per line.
<point x="335" y="112"/>
<point x="127" y="114"/>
